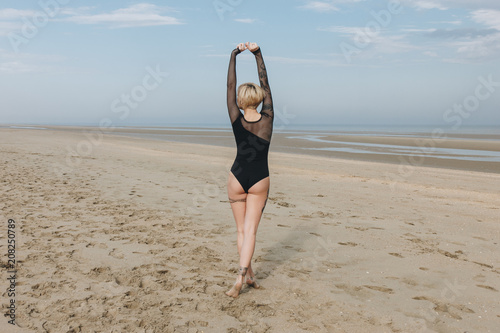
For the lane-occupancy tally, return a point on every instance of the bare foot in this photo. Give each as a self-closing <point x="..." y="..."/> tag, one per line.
<point x="235" y="290"/>
<point x="250" y="280"/>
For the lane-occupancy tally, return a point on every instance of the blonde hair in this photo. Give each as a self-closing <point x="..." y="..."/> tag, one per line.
<point x="250" y="95"/>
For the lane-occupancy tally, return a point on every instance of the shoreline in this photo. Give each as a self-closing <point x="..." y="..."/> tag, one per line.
<point x="403" y="150"/>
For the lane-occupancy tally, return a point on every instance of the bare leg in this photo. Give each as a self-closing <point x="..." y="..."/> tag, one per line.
<point x="237" y="198"/>
<point x="256" y="200"/>
<point x="250" y="278"/>
<point x="247" y="214"/>
<point x="239" y="209"/>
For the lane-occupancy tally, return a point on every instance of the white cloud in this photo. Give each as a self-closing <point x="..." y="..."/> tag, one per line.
<point x="384" y="44"/>
<point x="419" y="30"/>
<point x="476" y="4"/>
<point x="483" y="46"/>
<point x="464" y="33"/>
<point x="7" y="27"/>
<point x="365" y="44"/>
<point x="481" y="49"/>
<point x="488" y="17"/>
<point x="457" y="22"/>
<point x="11" y="19"/>
<point x="448" y="37"/>
<point x="76" y="11"/>
<point x="247" y="20"/>
<point x="319" y="6"/>
<point x="467" y="45"/>
<point x="464" y="44"/>
<point x="139" y="15"/>
<point x="426" y="4"/>
<point x="18" y="67"/>
<point x="344" y="30"/>
<point x="449" y="4"/>
<point x="15" y="14"/>
<point x="11" y="62"/>
<point x="326" y="6"/>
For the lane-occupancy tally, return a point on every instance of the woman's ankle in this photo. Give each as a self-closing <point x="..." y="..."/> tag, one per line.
<point x="242" y="271"/>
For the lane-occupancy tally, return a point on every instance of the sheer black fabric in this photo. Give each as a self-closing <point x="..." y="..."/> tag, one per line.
<point x="252" y="137"/>
<point x="262" y="128"/>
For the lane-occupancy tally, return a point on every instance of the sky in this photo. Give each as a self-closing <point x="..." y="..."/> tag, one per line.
<point x="164" y="63"/>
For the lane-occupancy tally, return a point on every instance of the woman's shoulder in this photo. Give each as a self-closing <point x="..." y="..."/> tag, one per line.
<point x="265" y="114"/>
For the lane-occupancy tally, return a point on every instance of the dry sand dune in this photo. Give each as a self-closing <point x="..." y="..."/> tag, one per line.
<point x="137" y="236"/>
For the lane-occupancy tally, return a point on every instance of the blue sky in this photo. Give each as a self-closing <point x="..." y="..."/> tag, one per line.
<point x="357" y="62"/>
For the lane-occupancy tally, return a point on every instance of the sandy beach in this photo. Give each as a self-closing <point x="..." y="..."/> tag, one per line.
<point x="125" y="234"/>
<point x="478" y="151"/>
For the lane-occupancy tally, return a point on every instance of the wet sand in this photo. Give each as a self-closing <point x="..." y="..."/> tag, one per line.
<point x="124" y="234"/>
<point x="464" y="151"/>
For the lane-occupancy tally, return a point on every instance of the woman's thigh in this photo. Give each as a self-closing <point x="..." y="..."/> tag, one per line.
<point x="237" y="198"/>
<point x="256" y="201"/>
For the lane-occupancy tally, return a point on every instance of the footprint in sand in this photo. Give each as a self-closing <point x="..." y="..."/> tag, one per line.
<point x="486" y="287"/>
<point x="381" y="289"/>
<point x="448" y="254"/>
<point x="355" y="291"/>
<point x="102" y="246"/>
<point x="481" y="264"/>
<point x="115" y="253"/>
<point x="447" y="308"/>
<point x="285" y="204"/>
<point x="348" y="244"/>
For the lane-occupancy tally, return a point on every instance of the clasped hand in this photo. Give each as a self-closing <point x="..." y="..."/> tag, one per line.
<point x="252" y="47"/>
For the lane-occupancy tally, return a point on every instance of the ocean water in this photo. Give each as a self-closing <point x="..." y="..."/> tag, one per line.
<point x="321" y="134"/>
<point x="401" y="150"/>
<point x="404" y="130"/>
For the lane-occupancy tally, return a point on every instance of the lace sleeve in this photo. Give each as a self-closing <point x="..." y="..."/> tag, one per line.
<point x="267" y="103"/>
<point x="232" y="106"/>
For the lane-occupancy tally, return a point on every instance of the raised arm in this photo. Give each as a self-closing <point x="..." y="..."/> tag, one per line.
<point x="232" y="106"/>
<point x="267" y="103"/>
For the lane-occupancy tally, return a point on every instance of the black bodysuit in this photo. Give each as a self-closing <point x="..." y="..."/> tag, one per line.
<point x="252" y="137"/>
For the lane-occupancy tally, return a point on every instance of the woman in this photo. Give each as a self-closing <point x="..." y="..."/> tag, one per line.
<point x="248" y="183"/>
